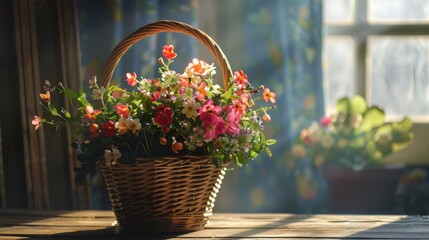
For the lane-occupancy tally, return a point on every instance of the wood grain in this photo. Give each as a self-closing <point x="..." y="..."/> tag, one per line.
<point x="17" y="224"/>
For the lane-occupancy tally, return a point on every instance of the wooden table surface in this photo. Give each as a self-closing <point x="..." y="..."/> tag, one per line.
<point x="24" y="224"/>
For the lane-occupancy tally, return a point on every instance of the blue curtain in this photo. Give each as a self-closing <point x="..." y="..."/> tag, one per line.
<point x="281" y="44"/>
<point x="282" y="50"/>
<point x="104" y="23"/>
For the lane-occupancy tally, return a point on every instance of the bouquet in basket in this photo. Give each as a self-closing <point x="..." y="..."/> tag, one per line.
<point x="177" y="113"/>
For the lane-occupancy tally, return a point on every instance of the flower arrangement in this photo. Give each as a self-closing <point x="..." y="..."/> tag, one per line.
<point x="353" y="136"/>
<point x="177" y="113"/>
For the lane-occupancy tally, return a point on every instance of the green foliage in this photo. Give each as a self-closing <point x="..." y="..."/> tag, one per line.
<point x="355" y="136"/>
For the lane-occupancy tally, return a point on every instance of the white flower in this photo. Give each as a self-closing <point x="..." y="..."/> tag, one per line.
<point x="112" y="156"/>
<point x="133" y="124"/>
<point x="92" y="81"/>
<point x="190" y="108"/>
<point x="97" y="94"/>
<point x="121" y="126"/>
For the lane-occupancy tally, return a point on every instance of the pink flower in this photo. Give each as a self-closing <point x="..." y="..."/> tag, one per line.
<point x="325" y="121"/>
<point x="168" y="52"/>
<point x="132" y="79"/>
<point x="209" y="111"/>
<point x="122" y="110"/>
<point x="36" y="122"/>
<point x="213" y="128"/>
<point x="232" y="123"/>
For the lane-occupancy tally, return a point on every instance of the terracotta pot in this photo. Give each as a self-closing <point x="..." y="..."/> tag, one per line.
<point x="371" y="190"/>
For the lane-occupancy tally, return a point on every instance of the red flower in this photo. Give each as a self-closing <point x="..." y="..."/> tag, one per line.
<point x="108" y="129"/>
<point x="240" y="78"/>
<point x="164" y="116"/>
<point x="168" y="52"/>
<point x="132" y="79"/>
<point x="176" y="147"/>
<point x="122" y="110"/>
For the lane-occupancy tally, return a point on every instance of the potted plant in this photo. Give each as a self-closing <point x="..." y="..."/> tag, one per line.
<point x="163" y="143"/>
<point x="349" y="146"/>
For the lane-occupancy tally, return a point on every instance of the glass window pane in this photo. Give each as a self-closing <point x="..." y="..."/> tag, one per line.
<point x="339" y="12"/>
<point x="398" y="11"/>
<point x="339" y="55"/>
<point x="398" y="75"/>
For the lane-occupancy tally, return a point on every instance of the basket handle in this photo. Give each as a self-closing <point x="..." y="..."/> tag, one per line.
<point x="165" y="26"/>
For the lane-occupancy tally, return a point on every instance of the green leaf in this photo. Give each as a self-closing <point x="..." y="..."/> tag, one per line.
<point x="270" y="142"/>
<point x="53" y="110"/>
<point x="403" y="126"/>
<point x="66" y="114"/>
<point x="358" y="105"/>
<point x="372" y="118"/>
<point x="268" y="152"/>
<point x="82" y="100"/>
<point x="343" y="105"/>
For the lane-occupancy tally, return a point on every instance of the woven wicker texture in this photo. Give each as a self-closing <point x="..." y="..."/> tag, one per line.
<point x="164" y="193"/>
<point x="165" y="26"/>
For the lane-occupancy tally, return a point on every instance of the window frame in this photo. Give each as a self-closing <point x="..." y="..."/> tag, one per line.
<point x="360" y="30"/>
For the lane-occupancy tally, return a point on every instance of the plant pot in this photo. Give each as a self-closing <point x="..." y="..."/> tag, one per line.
<point x="371" y="190"/>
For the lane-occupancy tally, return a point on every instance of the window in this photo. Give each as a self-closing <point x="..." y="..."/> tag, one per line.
<point x="378" y="49"/>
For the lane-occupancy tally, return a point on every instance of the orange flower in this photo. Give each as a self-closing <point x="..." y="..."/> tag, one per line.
<point x="176" y="147"/>
<point x="46" y="97"/>
<point x="168" y="52"/>
<point x="162" y="140"/>
<point x="202" y="91"/>
<point x="197" y="66"/>
<point x="132" y="79"/>
<point x="93" y="130"/>
<point x="91" y="114"/>
<point x="269" y="96"/>
<point x="266" y="117"/>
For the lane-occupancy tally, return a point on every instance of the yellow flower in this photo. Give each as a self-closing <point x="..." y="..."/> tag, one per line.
<point x="121" y="126"/>
<point x="190" y="108"/>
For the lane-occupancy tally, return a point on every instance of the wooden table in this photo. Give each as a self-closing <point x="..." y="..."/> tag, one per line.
<point x="22" y="224"/>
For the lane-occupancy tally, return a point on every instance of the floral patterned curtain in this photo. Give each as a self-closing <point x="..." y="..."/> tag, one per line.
<point x="282" y="41"/>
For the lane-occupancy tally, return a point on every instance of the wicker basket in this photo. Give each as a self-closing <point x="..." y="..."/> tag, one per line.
<point x="165" y="193"/>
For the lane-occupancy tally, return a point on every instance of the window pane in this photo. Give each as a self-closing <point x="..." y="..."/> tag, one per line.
<point x="398" y="11"/>
<point x="339" y="55"/>
<point x="338" y="11"/>
<point x="398" y="75"/>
